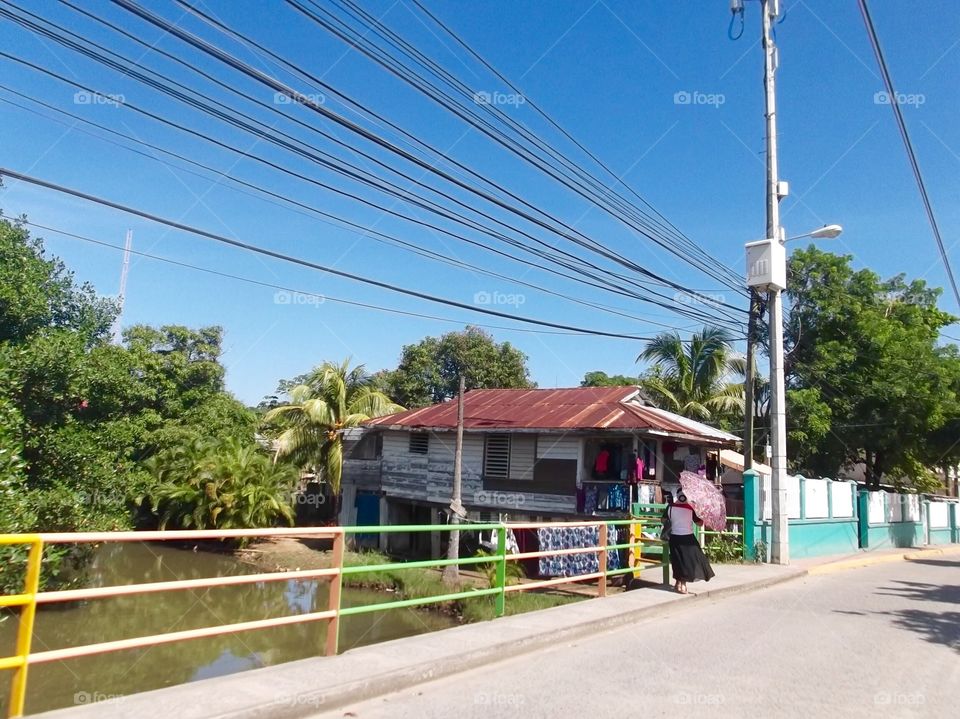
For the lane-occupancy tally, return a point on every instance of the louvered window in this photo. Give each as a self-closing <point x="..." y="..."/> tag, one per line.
<point x="496" y="456"/>
<point x="419" y="442"/>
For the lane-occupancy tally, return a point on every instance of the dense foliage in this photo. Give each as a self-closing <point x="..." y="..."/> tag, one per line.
<point x="868" y="383"/>
<point x="602" y="379"/>
<point x="429" y="371"/>
<point x="78" y="415"/>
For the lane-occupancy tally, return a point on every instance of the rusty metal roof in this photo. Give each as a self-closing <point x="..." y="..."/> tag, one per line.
<point x="581" y="408"/>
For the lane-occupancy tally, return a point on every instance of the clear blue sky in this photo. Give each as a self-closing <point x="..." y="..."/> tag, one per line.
<point x="609" y="72"/>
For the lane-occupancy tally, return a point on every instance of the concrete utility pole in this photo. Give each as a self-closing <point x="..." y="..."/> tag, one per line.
<point x="748" y="417"/>
<point x="122" y="296"/>
<point x="780" y="538"/>
<point x="451" y="573"/>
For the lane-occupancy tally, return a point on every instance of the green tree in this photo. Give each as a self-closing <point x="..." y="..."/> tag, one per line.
<point x="694" y="378"/>
<point x="429" y="371"/>
<point x="333" y="398"/>
<point x="866" y="377"/>
<point x="602" y="379"/>
<point x="220" y="485"/>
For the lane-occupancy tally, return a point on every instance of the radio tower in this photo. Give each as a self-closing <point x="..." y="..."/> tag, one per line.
<point x="117" y="334"/>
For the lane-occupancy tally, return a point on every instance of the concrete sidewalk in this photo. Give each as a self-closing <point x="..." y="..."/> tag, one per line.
<point x="840" y="562"/>
<point x="299" y="689"/>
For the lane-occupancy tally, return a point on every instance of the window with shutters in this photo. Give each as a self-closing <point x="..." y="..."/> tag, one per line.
<point x="496" y="456"/>
<point x="419" y="442"/>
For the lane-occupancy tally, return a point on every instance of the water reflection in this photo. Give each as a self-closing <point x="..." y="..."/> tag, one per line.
<point x="110" y="675"/>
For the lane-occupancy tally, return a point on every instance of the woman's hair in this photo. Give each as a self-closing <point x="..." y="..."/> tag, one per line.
<point x="682" y="497"/>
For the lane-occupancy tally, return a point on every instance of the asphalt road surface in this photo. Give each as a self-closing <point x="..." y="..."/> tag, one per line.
<point x="881" y="641"/>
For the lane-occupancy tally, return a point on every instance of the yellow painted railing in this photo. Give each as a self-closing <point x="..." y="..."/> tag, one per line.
<point x="31" y="597"/>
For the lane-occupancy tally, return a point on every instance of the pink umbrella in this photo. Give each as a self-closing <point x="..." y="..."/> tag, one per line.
<point x="707" y="500"/>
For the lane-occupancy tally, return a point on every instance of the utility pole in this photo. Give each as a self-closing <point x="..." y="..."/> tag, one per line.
<point x="748" y="381"/>
<point x="451" y="573"/>
<point x="117" y="330"/>
<point x="780" y="538"/>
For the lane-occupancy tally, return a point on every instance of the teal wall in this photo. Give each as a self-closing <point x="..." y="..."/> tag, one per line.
<point x="819" y="537"/>
<point x="808" y="537"/>
<point x="941" y="536"/>
<point x="894" y="535"/>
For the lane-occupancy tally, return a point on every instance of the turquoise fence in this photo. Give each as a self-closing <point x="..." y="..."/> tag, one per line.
<point x="891" y="520"/>
<point x="824" y="517"/>
<point x="941" y="517"/>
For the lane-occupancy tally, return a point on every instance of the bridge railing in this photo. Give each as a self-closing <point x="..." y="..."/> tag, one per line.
<point x="31" y="597"/>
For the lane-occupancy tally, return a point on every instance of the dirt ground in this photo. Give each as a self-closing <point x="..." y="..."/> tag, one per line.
<point x="287" y="554"/>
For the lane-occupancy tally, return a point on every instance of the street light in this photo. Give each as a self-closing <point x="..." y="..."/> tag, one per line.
<point x="827" y="232"/>
<point x="767" y="271"/>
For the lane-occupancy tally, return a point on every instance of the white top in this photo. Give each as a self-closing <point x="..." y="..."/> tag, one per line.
<point x="681" y="519"/>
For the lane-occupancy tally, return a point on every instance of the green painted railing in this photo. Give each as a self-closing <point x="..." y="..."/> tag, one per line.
<point x="636" y="562"/>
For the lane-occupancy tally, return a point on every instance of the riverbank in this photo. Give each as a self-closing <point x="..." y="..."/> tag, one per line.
<point x="286" y="554"/>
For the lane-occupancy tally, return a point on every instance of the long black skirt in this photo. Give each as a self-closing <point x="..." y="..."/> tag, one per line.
<point x="687" y="559"/>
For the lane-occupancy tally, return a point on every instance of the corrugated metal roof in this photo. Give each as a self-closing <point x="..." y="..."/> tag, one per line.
<point x="580" y="408"/>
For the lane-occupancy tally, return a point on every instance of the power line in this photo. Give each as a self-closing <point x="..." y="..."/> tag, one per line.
<point x="302" y="262"/>
<point x="305" y="293"/>
<point x="293" y="145"/>
<point x="312" y="211"/>
<point x="911" y="155"/>
<point x="564" y="231"/>
<point x="693" y="314"/>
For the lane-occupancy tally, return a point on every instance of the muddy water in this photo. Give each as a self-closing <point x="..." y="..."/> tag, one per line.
<point x="111" y="676"/>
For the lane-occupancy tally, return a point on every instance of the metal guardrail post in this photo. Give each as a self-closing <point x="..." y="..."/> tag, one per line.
<point x="500" y="598"/>
<point x="18" y="687"/>
<point x="665" y="561"/>
<point x="602" y="557"/>
<point x="333" y="603"/>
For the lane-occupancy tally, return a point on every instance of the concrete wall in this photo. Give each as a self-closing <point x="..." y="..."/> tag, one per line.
<point x="822" y="516"/>
<point x="890" y="520"/>
<point x="942" y="518"/>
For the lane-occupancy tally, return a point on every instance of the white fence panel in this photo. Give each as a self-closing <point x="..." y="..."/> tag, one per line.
<point x="841" y="495"/>
<point x="875" y="511"/>
<point x="939" y="515"/>
<point x="817" y="499"/>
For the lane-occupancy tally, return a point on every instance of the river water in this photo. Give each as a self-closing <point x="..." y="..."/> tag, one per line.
<point x="109" y="676"/>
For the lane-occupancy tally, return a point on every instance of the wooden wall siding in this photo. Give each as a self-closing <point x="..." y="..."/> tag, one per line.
<point x="429" y="478"/>
<point x="523" y="456"/>
<point x="362" y="473"/>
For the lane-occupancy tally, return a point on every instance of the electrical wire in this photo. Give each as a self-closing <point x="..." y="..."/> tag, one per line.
<point x="563" y="231"/>
<point x="38" y="182"/>
<point x="288" y="145"/>
<point x="908" y="145"/>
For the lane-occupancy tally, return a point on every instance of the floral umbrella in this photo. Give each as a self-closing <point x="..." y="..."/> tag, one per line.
<point x="707" y="500"/>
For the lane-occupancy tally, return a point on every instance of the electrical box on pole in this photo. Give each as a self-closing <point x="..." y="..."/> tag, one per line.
<point x="767" y="265"/>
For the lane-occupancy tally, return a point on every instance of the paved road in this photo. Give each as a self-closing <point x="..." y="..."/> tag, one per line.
<point x="879" y="641"/>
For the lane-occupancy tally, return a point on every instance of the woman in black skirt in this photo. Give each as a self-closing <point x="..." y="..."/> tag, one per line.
<point x="686" y="557"/>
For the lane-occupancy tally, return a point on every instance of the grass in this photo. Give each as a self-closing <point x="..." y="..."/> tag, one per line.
<point x="423" y="583"/>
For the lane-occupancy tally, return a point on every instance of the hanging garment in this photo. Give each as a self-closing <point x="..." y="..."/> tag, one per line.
<point x="572" y="565"/>
<point x="590" y="500"/>
<point x="602" y="463"/>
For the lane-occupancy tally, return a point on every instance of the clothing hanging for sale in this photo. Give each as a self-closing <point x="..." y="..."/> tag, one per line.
<point x="572" y="565"/>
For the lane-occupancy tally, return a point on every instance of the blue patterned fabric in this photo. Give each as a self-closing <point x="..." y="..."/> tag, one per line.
<point x="572" y="565"/>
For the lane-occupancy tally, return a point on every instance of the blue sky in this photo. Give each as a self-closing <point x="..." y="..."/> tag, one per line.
<point x="611" y="73"/>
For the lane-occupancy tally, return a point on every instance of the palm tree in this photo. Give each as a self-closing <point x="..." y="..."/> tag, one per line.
<point x="331" y="399"/>
<point x="693" y="378"/>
